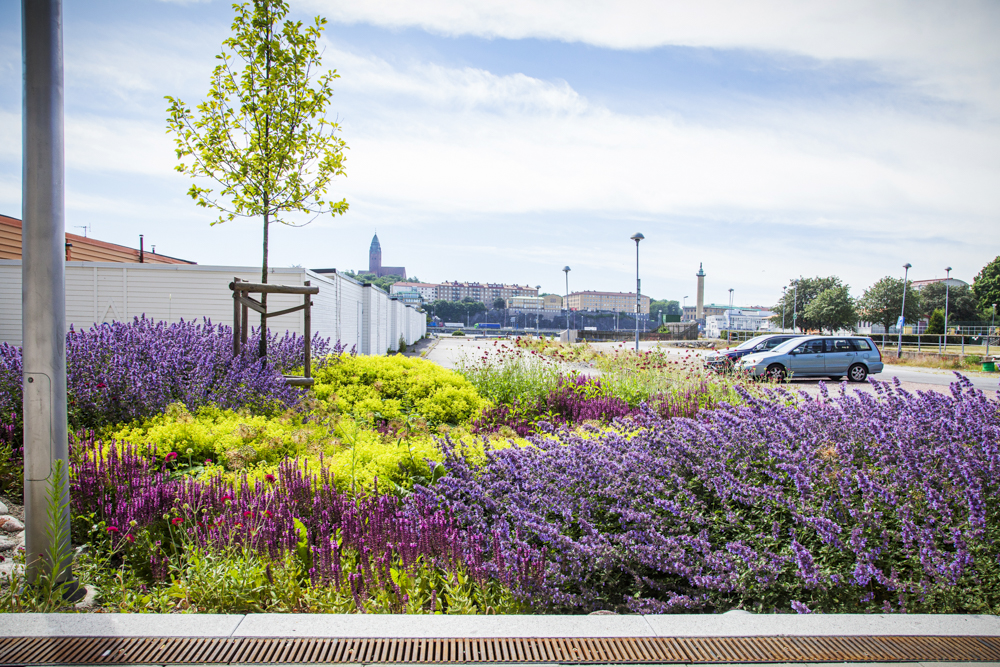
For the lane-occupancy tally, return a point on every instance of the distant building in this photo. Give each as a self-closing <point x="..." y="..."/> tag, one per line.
<point x="552" y="302"/>
<point x="81" y="248"/>
<point x="375" y="262"/>
<point x="708" y="310"/>
<point x="951" y="282"/>
<point x="532" y="303"/>
<point x="738" y="319"/>
<point x="610" y="302"/>
<point x="426" y="291"/>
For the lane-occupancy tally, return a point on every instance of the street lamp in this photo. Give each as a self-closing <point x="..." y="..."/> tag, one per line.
<point x="729" y="319"/>
<point x="784" y="295"/>
<point x="684" y="307"/>
<point x="566" y="270"/>
<point x="992" y="328"/>
<point x="795" y="304"/>
<point x="902" y="314"/>
<point x="947" y="277"/>
<point x="638" y="303"/>
<point x="537" y="287"/>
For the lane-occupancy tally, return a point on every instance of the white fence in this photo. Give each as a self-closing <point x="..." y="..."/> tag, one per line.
<point x="98" y="292"/>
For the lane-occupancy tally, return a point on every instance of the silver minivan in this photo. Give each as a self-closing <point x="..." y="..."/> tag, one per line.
<point x="816" y="356"/>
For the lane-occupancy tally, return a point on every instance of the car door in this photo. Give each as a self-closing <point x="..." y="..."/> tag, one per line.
<point x="839" y="355"/>
<point x="808" y="358"/>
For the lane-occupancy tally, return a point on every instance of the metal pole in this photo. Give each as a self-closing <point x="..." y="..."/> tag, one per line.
<point x="638" y="291"/>
<point x="43" y="294"/>
<point x="566" y="270"/>
<point x="729" y="319"/>
<point x="795" y="305"/>
<point x="784" y="295"/>
<point x="947" y="277"/>
<point x="902" y="314"/>
<point x="993" y="322"/>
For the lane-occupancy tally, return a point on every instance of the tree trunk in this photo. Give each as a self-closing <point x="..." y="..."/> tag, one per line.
<point x="263" y="297"/>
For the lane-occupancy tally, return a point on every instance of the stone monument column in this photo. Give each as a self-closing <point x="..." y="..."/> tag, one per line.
<point x="700" y="310"/>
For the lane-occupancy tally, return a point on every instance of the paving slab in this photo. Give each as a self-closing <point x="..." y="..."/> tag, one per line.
<point x="425" y="626"/>
<point x="118" y="625"/>
<point x="824" y="625"/>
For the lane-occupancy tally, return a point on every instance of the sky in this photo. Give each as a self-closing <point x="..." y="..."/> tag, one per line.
<point x="502" y="141"/>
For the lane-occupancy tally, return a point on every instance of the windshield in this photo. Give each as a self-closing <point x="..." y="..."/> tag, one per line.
<point x="787" y="345"/>
<point x="750" y="344"/>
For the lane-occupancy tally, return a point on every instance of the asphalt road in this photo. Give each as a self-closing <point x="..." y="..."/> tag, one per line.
<point x="986" y="382"/>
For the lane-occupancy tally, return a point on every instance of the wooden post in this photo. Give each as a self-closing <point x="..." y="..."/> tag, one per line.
<point x="307" y="321"/>
<point x="236" y="318"/>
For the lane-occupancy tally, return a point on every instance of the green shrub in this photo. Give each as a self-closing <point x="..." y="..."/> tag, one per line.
<point x="387" y="389"/>
<point x="458" y="332"/>
<point x="232" y="439"/>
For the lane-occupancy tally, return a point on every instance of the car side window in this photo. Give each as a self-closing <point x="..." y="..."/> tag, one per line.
<point x="811" y="347"/>
<point x="861" y="345"/>
<point x="773" y="343"/>
<point x="838" y="345"/>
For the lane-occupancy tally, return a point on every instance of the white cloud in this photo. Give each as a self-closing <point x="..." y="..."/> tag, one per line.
<point x="949" y="48"/>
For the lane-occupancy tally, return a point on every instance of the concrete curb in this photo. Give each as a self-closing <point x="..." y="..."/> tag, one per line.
<point x="421" y="626"/>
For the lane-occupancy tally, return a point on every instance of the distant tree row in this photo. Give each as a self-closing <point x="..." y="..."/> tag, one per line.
<point x="384" y="283"/>
<point x="811" y="304"/>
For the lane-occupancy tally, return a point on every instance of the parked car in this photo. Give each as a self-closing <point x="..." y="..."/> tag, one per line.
<point x="857" y="357"/>
<point x="723" y="360"/>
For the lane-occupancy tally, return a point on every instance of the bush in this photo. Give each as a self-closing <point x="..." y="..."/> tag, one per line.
<point x="289" y="542"/>
<point x="232" y="439"/>
<point x="855" y="504"/>
<point x="458" y="332"/>
<point x="121" y="372"/>
<point x="386" y="389"/>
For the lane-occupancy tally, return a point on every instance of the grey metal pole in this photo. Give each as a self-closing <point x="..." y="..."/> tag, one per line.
<point x="566" y="270"/>
<point x="902" y="314"/>
<point x="947" y="287"/>
<point x="795" y="305"/>
<point x="43" y="293"/>
<point x="992" y="328"/>
<point x="784" y="295"/>
<point x="638" y="299"/>
<point x="729" y="320"/>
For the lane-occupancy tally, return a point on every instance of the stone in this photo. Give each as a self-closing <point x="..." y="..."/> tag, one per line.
<point x="9" y="569"/>
<point x="89" y="602"/>
<point x="3" y="508"/>
<point x="10" y="524"/>
<point x="8" y="542"/>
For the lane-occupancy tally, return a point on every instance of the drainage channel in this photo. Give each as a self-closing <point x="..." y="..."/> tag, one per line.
<point x="638" y="650"/>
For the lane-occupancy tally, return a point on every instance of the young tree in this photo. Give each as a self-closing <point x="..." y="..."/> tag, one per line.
<point x="962" y="306"/>
<point x="986" y="286"/>
<point x="832" y="309"/>
<point x="262" y="135"/>
<point x="935" y="324"/>
<point x="881" y="303"/>
<point x="794" y="304"/>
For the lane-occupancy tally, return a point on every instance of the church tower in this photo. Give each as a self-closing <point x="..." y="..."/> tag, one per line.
<point x="375" y="257"/>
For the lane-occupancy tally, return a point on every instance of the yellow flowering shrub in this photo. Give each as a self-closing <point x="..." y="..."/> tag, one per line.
<point x="394" y="388"/>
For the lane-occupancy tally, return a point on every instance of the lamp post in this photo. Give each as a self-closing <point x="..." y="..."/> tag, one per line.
<point x="638" y="302"/>
<point x="729" y="319"/>
<point x="537" y="287"/>
<point x="566" y="270"/>
<point x="784" y="295"/>
<point x="902" y="313"/>
<point x="947" y="277"/>
<point x="684" y="307"/>
<point x="992" y="328"/>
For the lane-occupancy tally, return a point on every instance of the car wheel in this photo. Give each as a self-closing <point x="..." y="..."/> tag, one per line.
<point x="857" y="373"/>
<point x="776" y="372"/>
<point x="836" y="378"/>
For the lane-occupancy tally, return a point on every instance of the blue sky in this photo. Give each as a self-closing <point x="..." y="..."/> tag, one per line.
<point x="502" y="141"/>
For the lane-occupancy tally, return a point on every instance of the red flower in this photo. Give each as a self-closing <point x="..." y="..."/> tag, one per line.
<point x="225" y="498"/>
<point x="176" y="520"/>
<point x="130" y="537"/>
<point x="269" y="477"/>
<point x="111" y="529"/>
<point x="247" y="514"/>
<point x="101" y="385"/>
<point x="172" y="456"/>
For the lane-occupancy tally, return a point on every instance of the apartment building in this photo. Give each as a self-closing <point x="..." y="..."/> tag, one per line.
<point x="612" y="302"/>
<point x="487" y="293"/>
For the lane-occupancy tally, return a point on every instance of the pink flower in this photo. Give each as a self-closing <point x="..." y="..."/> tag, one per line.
<point x="269" y="477"/>
<point x="172" y="456"/>
<point x="130" y="538"/>
<point x="176" y="520"/>
<point x="225" y="498"/>
<point x="111" y="529"/>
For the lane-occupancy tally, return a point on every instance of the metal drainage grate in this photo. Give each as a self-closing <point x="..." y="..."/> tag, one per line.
<point x="145" y="650"/>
